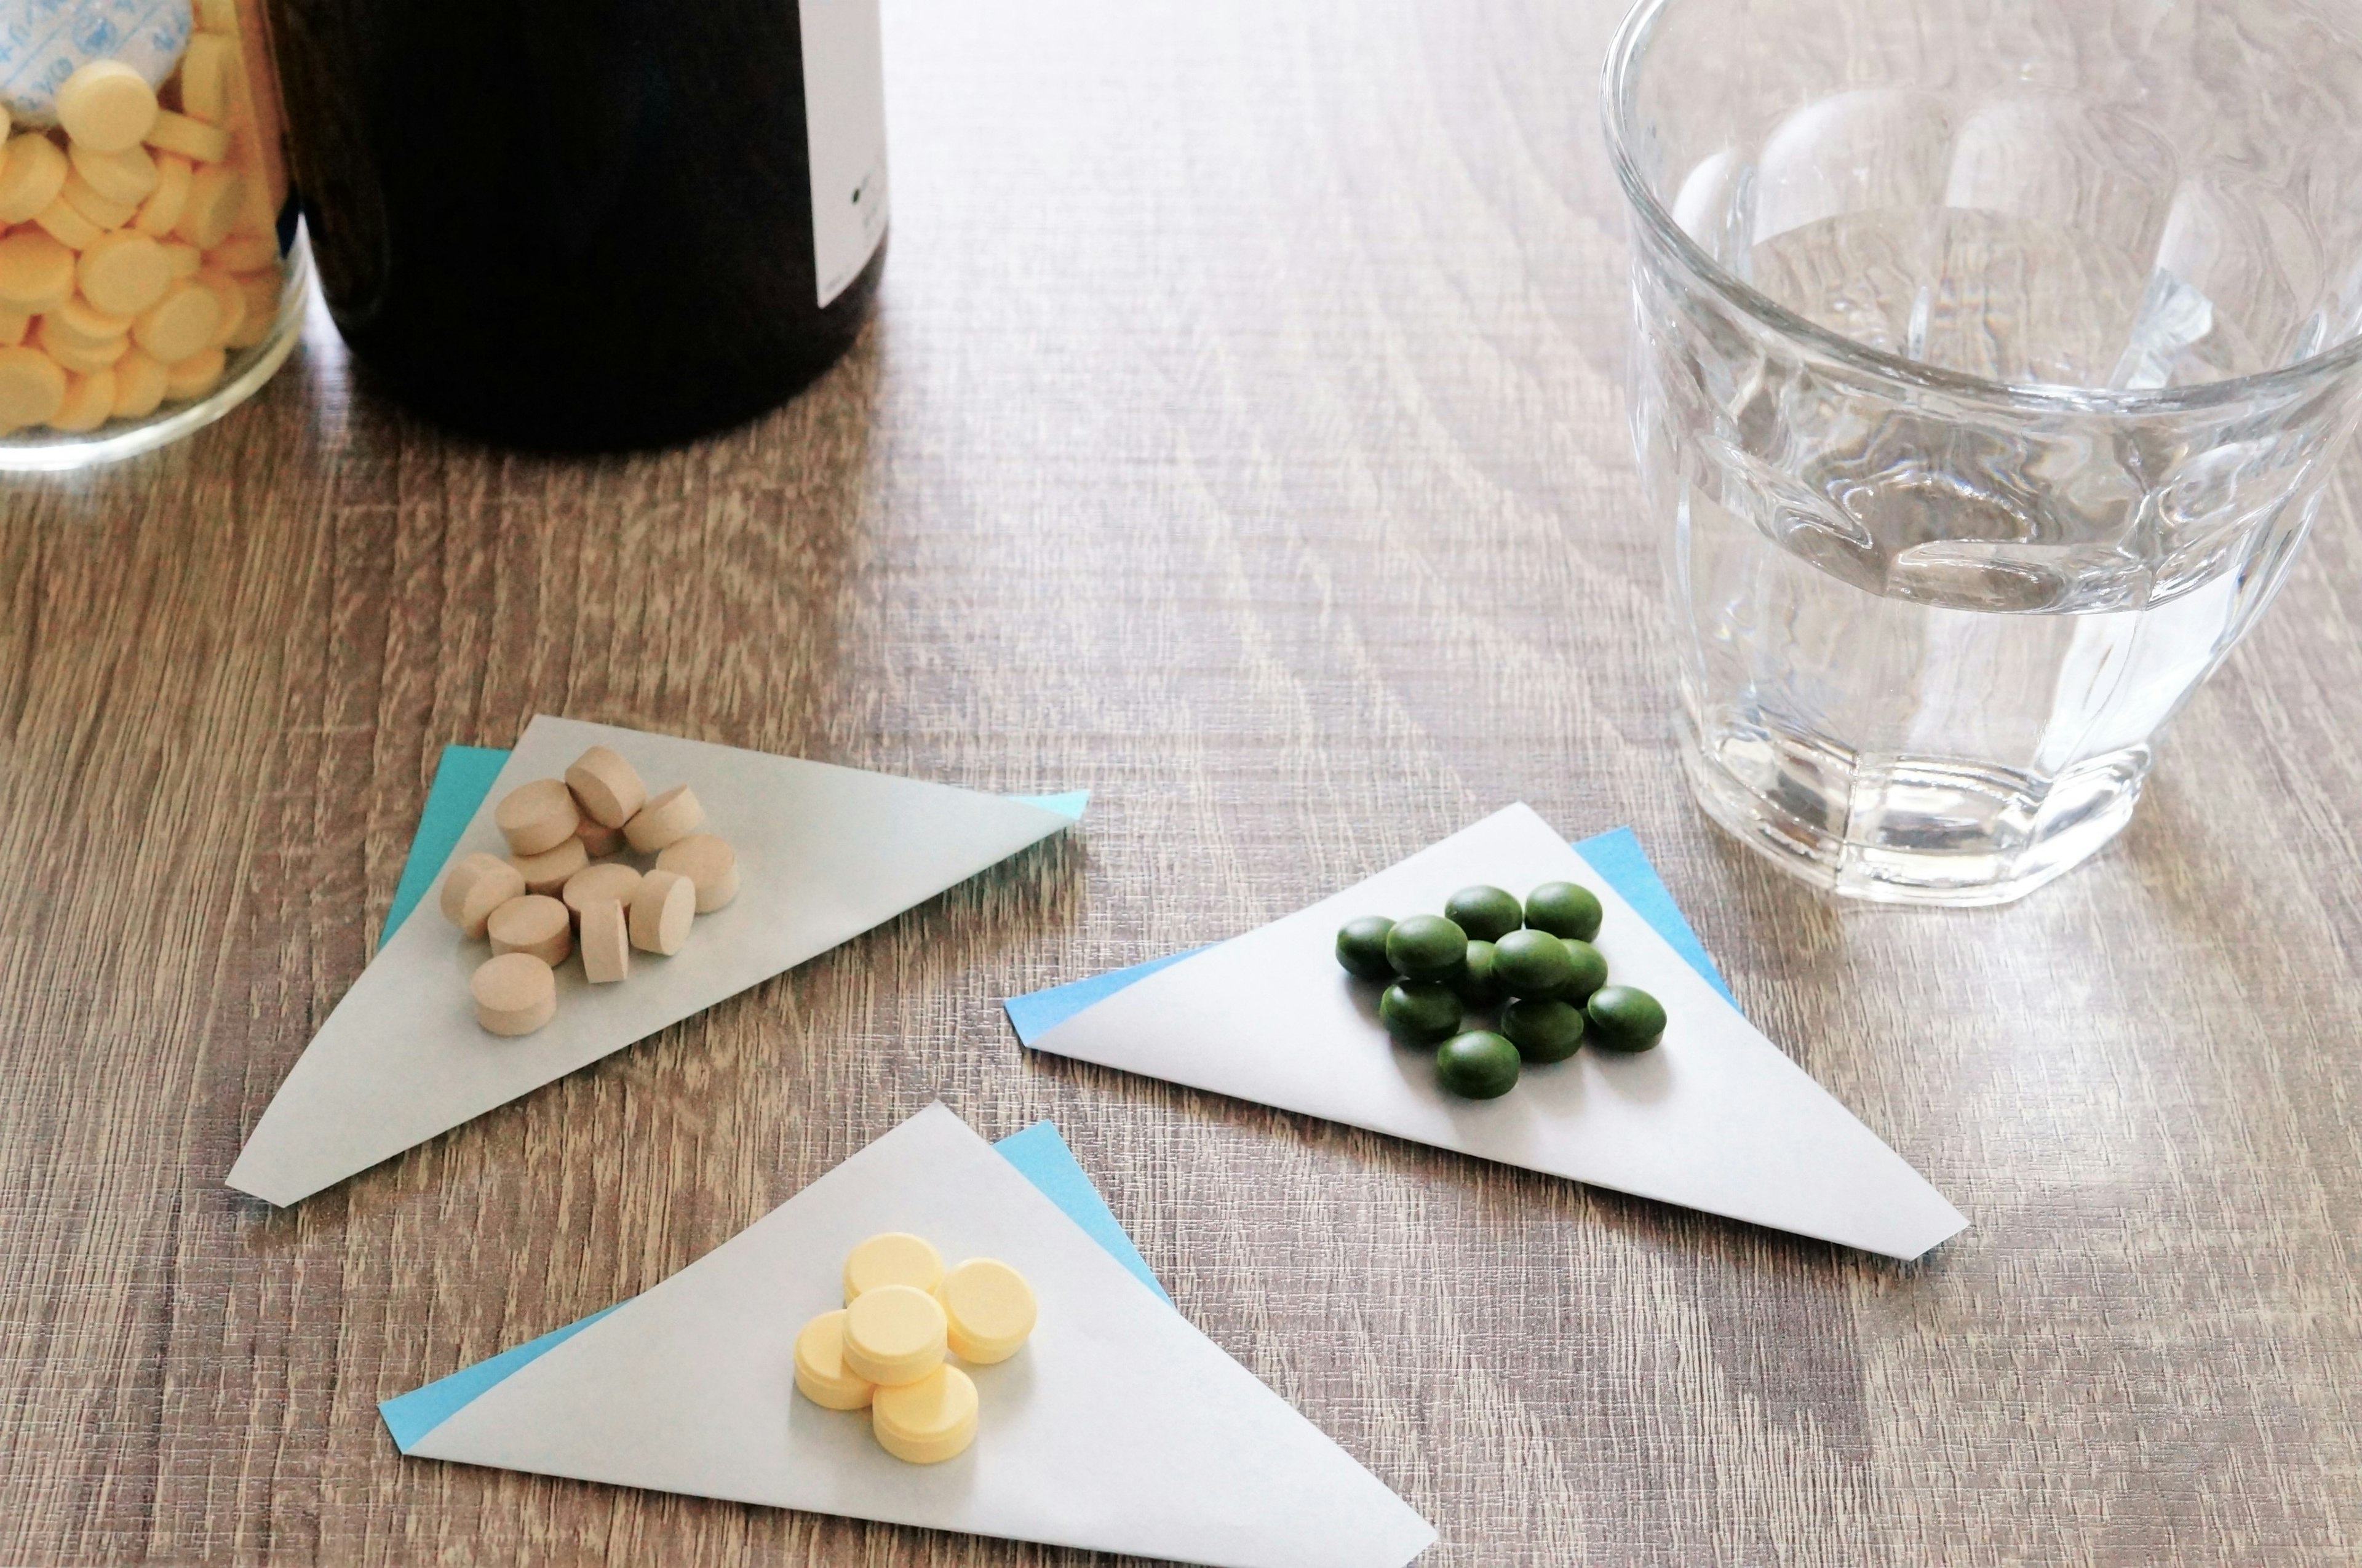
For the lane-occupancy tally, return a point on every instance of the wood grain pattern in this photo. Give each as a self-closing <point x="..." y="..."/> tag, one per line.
<point x="1243" y="438"/>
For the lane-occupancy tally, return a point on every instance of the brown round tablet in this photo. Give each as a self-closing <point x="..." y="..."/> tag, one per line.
<point x="670" y="818"/>
<point x="535" y="924"/>
<point x="461" y="876"/>
<point x="537" y="817"/>
<point x="707" y="861"/>
<point x="662" y="911"/>
<point x="550" y="871"/>
<point x="594" y="884"/>
<point x="515" y="994"/>
<point x="601" y="841"/>
<point x="487" y="891"/>
<point x="606" y="943"/>
<point x="607" y="787"/>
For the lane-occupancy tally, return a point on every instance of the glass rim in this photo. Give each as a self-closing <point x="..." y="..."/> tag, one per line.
<point x="1617" y="77"/>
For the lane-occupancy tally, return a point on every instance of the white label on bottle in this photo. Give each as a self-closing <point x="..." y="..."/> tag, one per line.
<point x="845" y="123"/>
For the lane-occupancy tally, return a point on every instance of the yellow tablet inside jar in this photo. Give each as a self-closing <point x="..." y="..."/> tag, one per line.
<point x="894" y="1335"/>
<point x="821" y="1375"/>
<point x="928" y="1421"/>
<point x="989" y="1309"/>
<point x="895" y="1258"/>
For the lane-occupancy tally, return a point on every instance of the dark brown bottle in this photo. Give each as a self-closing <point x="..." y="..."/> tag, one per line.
<point x="590" y="223"/>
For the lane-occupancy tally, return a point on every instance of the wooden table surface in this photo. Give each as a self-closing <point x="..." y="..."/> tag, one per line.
<point x="1242" y="437"/>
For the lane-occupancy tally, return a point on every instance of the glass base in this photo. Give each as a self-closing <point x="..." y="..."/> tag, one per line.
<point x="1905" y="830"/>
<point x="55" y="451"/>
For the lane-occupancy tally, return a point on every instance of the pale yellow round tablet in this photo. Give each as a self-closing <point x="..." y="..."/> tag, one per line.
<point x="515" y="994"/>
<point x="244" y="253"/>
<point x="103" y="213"/>
<point x="211" y="209"/>
<point x="662" y="911"/>
<point x="78" y="321"/>
<point x="894" y="1335"/>
<point x="184" y="261"/>
<point x="607" y="787"/>
<point x="127" y="176"/>
<point x="191" y="139"/>
<point x="196" y="375"/>
<point x="897" y="1257"/>
<point x="75" y="352"/>
<point x="460" y="880"/>
<point x="178" y="325"/>
<point x="230" y="297"/>
<point x="550" y="871"/>
<point x="138" y="385"/>
<point x="35" y="272"/>
<point x="598" y="884"/>
<point x="106" y="105"/>
<point x="606" y="943"/>
<point x="124" y="273"/>
<point x="928" y="1421"/>
<point x="209" y="78"/>
<point x="32" y="175"/>
<point x="89" y="402"/>
<point x="990" y="1310"/>
<point x="32" y="388"/>
<point x="262" y="291"/>
<point x="821" y="1377"/>
<point x="258" y="215"/>
<point x="535" y="924"/>
<point x="161" y="211"/>
<point x="68" y="228"/>
<point x="707" y="861"/>
<point x="536" y="816"/>
<point x="667" y="818"/>
<point x="14" y="325"/>
<point x="599" y="841"/>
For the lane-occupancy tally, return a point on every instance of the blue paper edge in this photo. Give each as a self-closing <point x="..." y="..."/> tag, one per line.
<point x="410" y="1417"/>
<point x="1616" y="854"/>
<point x="1620" y="861"/>
<point x="1037" y="1012"/>
<point x="1039" y="1155"/>
<point x="464" y="776"/>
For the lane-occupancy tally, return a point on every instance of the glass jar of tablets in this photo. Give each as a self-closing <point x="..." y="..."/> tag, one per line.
<point x="151" y="272"/>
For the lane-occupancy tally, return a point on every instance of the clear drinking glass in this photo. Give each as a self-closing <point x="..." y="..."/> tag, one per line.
<point x="1990" y="358"/>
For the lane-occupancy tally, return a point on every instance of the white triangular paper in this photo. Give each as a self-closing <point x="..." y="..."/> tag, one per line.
<point x="1715" y="1117"/>
<point x="1119" y="1427"/>
<point x="824" y="853"/>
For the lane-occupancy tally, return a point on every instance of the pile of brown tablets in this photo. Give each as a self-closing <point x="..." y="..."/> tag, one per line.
<point x="567" y="883"/>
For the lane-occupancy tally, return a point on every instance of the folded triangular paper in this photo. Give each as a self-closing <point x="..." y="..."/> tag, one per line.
<point x="1715" y="1117"/>
<point x="824" y="853"/>
<point x="1119" y="1427"/>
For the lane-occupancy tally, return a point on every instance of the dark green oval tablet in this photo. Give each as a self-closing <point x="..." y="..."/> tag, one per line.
<point x="1478" y="1064"/>
<point x="1590" y="971"/>
<point x="1362" y="947"/>
<point x="1532" y="964"/>
<point x="1543" y="1029"/>
<point x="1419" y="1012"/>
<point x="1625" y="1018"/>
<point x="1425" y="947"/>
<point x="1486" y="914"/>
<point x="1475" y="979"/>
<point x="1563" y="909"/>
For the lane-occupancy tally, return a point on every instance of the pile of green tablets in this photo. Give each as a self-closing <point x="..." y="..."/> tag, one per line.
<point x="1533" y="961"/>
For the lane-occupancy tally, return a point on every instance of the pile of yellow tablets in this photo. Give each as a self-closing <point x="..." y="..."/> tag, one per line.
<point x="562" y="880"/>
<point x="885" y="1352"/>
<point x="141" y="240"/>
